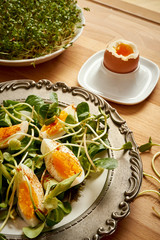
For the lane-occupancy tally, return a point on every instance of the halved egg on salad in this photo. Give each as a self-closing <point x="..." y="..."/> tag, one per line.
<point x="60" y="161"/>
<point x="26" y="178"/>
<point x="56" y="129"/>
<point x="15" y="130"/>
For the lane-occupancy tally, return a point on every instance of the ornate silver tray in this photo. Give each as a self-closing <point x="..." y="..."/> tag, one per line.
<point x="104" y="204"/>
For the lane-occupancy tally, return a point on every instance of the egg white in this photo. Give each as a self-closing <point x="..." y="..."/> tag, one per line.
<point x="49" y="146"/>
<point x="23" y="129"/>
<point x="112" y="48"/>
<point x="70" y="110"/>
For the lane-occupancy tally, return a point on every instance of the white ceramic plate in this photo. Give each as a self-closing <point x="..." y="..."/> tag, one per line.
<point x="104" y="200"/>
<point x="29" y="62"/>
<point x="130" y="88"/>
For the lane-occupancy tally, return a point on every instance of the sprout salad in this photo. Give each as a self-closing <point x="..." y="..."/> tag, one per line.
<point x="86" y="136"/>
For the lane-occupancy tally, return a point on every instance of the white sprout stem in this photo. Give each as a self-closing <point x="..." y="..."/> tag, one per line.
<point x="19" y="120"/>
<point x="23" y="158"/>
<point x="148" y="191"/>
<point x="153" y="165"/>
<point x="24" y="115"/>
<point x="151" y="176"/>
<point x="68" y="135"/>
<point x="89" y="141"/>
<point x="104" y="132"/>
<point x="71" y="144"/>
<point x="107" y="146"/>
<point x="76" y="124"/>
<point x="86" y="151"/>
<point x="9" y="114"/>
<point x="29" y="143"/>
<point x="9" y="187"/>
<point x="80" y="147"/>
<point x="31" y="124"/>
<point x="97" y="127"/>
<point x="23" y="104"/>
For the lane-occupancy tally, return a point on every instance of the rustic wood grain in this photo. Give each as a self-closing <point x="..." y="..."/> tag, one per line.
<point x="103" y="25"/>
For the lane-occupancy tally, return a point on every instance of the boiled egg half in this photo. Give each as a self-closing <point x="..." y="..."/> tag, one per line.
<point x="15" y="130"/>
<point x="25" y="205"/>
<point x="61" y="163"/>
<point x="56" y="129"/>
<point x="121" y="56"/>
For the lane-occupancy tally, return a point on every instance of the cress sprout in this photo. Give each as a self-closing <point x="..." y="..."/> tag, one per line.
<point x="31" y="29"/>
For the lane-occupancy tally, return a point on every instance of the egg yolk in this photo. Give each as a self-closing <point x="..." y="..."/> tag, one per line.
<point x="124" y="49"/>
<point x="6" y="132"/>
<point x="65" y="164"/>
<point x="56" y="126"/>
<point x="24" y="200"/>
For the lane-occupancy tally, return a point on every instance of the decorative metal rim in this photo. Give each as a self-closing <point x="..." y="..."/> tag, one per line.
<point x="135" y="179"/>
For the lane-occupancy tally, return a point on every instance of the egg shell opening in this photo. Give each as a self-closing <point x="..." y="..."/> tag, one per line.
<point x="118" y="65"/>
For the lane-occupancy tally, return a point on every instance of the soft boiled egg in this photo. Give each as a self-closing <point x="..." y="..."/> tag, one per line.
<point x="55" y="129"/>
<point x="15" y="130"/>
<point x="61" y="163"/>
<point x="121" y="56"/>
<point x="25" y="205"/>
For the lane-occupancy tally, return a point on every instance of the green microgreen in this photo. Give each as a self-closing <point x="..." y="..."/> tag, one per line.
<point x="32" y="29"/>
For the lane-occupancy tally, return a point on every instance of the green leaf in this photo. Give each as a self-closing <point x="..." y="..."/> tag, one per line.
<point x="7" y="103"/>
<point x="62" y="186"/>
<point x="146" y="146"/>
<point x="106" y="163"/>
<point x="57" y="214"/>
<point x="82" y="111"/>
<point x="53" y="110"/>
<point x="51" y="203"/>
<point x="33" y="232"/>
<point x="54" y="98"/>
<point x="127" y="146"/>
<point x="43" y="110"/>
<point x="14" y="144"/>
<point x="50" y="120"/>
<point x="5" y="120"/>
<point x="1" y="156"/>
<point x="70" y="119"/>
<point x="3" y="214"/>
<point x="35" y="101"/>
<point x="94" y="149"/>
<point x="8" y="157"/>
<point x="38" y="159"/>
<point x="5" y="173"/>
<point x="3" y="205"/>
<point x="54" y="217"/>
<point x="65" y="206"/>
<point x="2" y="237"/>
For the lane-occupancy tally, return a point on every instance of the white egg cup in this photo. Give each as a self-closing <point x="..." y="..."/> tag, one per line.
<point x="124" y="88"/>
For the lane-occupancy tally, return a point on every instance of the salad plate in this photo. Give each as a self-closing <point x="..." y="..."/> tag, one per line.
<point x="129" y="88"/>
<point x="44" y="58"/>
<point x="105" y="199"/>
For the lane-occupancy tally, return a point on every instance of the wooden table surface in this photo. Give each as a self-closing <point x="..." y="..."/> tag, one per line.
<point x="104" y="24"/>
